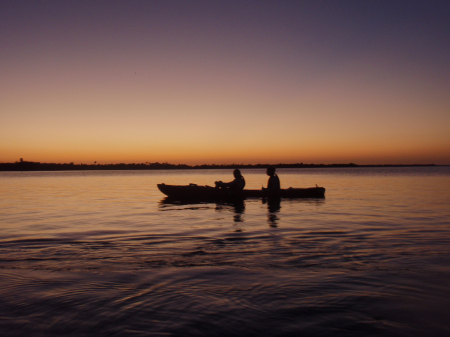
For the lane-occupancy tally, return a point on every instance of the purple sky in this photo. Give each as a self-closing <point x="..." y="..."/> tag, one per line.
<point x="225" y="81"/>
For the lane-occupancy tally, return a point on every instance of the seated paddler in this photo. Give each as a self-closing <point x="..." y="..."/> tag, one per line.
<point x="273" y="185"/>
<point x="236" y="185"/>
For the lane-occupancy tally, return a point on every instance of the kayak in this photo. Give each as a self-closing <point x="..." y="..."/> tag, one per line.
<point x="195" y="192"/>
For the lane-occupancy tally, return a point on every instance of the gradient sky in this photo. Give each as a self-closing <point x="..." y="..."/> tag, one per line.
<point x="221" y="82"/>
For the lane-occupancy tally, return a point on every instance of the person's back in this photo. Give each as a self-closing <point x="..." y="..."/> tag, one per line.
<point x="274" y="182"/>
<point x="238" y="183"/>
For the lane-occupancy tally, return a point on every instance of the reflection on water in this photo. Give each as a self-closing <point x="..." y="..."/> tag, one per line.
<point x="102" y="254"/>
<point x="237" y="206"/>
<point x="273" y="207"/>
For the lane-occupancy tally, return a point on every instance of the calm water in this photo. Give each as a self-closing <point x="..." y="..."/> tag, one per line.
<point x="102" y="254"/>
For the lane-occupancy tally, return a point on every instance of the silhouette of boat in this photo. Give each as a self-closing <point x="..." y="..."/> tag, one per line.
<point x="195" y="192"/>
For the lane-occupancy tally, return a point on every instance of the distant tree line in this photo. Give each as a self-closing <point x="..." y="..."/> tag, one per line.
<point x="37" y="166"/>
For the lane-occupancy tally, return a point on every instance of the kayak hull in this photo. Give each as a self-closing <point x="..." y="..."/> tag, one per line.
<point x="195" y="192"/>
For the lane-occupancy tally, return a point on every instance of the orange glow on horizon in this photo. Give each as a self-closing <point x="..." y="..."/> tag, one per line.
<point x="257" y="156"/>
<point x="287" y="92"/>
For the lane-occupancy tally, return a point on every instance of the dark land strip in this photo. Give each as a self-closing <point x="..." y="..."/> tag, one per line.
<point x="37" y="166"/>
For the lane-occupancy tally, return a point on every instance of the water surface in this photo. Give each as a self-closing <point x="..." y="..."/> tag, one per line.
<point x="102" y="253"/>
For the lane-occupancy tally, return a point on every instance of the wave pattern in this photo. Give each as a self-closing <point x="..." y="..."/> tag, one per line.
<point x="104" y="254"/>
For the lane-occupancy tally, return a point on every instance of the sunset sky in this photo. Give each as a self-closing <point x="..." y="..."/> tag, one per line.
<point x="222" y="82"/>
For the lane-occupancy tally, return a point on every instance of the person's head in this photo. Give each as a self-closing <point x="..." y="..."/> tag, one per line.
<point x="237" y="173"/>
<point x="270" y="171"/>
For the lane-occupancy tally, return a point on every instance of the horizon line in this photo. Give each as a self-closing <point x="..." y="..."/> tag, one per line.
<point x="31" y="165"/>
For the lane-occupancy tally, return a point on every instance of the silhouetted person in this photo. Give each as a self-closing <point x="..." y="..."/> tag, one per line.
<point x="273" y="185"/>
<point x="236" y="185"/>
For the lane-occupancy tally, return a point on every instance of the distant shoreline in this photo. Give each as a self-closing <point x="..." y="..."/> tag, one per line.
<point x="37" y="166"/>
